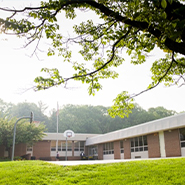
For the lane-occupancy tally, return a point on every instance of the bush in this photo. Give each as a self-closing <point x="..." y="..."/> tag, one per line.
<point x="17" y="158"/>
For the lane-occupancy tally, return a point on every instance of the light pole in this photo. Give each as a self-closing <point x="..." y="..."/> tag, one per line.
<point x="14" y="132"/>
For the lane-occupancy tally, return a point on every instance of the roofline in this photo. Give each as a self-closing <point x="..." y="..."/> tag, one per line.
<point x="167" y="123"/>
<point x="60" y="136"/>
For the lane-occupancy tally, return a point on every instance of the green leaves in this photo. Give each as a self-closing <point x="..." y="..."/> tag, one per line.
<point x="136" y="27"/>
<point x="163" y="3"/>
<point x="169" y="70"/>
<point x="123" y="105"/>
<point x="25" y="132"/>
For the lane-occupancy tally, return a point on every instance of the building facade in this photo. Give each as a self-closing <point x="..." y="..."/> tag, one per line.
<point x="156" y="139"/>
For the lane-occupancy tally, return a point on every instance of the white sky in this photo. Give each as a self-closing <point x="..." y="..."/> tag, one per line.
<point x="18" y="70"/>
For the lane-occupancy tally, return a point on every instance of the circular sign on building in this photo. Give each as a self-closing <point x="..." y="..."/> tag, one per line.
<point x="69" y="134"/>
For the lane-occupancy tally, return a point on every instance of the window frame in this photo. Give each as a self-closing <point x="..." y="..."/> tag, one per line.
<point x="108" y="148"/>
<point x="139" y="144"/>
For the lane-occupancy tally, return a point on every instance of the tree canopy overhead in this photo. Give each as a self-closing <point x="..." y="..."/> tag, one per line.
<point x="137" y="27"/>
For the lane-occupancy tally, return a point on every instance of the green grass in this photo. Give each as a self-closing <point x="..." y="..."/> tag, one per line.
<point x="156" y="172"/>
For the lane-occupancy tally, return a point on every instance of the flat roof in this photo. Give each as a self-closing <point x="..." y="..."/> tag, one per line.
<point x="60" y="136"/>
<point x="167" y="123"/>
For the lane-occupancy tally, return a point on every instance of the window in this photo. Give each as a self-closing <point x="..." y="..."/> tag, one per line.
<point x="29" y="148"/>
<point x="93" y="150"/>
<point x="182" y="137"/>
<point x="121" y="147"/>
<point x="59" y="145"/>
<point x="79" y="146"/>
<point x="108" y="148"/>
<point x="76" y="146"/>
<point x="139" y="144"/>
<point x="69" y="146"/>
<point x="53" y="145"/>
<point x="82" y="145"/>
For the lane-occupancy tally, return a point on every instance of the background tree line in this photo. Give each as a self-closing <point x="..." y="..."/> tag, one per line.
<point x="82" y="118"/>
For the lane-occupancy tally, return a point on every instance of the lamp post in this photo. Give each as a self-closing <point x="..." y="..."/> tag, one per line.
<point x="14" y="132"/>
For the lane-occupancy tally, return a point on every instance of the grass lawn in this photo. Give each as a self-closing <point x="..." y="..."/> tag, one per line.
<point x="164" y="171"/>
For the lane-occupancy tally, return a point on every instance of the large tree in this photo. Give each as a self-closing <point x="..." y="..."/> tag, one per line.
<point x="25" y="132"/>
<point x="136" y="26"/>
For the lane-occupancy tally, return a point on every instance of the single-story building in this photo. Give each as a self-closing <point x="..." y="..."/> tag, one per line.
<point x="155" y="139"/>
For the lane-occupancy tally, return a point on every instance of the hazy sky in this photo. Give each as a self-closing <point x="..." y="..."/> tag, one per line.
<point x="18" y="71"/>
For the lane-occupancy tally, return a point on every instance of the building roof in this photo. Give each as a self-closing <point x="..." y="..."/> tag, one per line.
<point x="168" y="123"/>
<point x="77" y="137"/>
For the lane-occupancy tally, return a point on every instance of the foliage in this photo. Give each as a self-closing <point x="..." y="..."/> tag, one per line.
<point x="82" y="118"/>
<point x="135" y="26"/>
<point x="25" y="109"/>
<point x="4" y="108"/>
<point x="25" y="132"/>
<point x="161" y="171"/>
<point x="95" y="119"/>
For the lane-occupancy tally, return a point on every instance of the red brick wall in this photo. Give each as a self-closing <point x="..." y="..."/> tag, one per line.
<point x="153" y="145"/>
<point x="100" y="151"/>
<point x="126" y="145"/>
<point x="117" y="154"/>
<point x="172" y="143"/>
<point x="41" y="149"/>
<point x="20" y="149"/>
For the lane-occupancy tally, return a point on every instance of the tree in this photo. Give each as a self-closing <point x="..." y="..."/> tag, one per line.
<point x="160" y="112"/>
<point x="25" y="108"/>
<point x="95" y="119"/>
<point x="4" y="108"/>
<point x="79" y="118"/>
<point x="42" y="106"/>
<point x="136" y="26"/>
<point x="25" y="132"/>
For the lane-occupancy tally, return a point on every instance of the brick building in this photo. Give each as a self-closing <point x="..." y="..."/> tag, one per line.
<point x="160" y="138"/>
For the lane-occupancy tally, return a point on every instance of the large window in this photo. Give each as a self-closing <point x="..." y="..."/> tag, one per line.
<point x="121" y="147"/>
<point x="79" y="145"/>
<point x="108" y="148"/>
<point x="53" y="145"/>
<point x="182" y="136"/>
<point x="59" y="145"/>
<point x="139" y="144"/>
<point x="69" y="146"/>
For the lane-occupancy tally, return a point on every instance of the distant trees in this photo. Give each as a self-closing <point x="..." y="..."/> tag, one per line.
<point x="24" y="109"/>
<point x="82" y="118"/>
<point x="4" y="108"/>
<point x="95" y="119"/>
<point x="160" y="112"/>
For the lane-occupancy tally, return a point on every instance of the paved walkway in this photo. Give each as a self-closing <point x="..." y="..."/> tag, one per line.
<point x="85" y="162"/>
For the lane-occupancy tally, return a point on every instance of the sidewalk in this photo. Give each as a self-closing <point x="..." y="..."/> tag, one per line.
<point x="86" y="162"/>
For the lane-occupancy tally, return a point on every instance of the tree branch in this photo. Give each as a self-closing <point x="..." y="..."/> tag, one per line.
<point x="172" y="45"/>
<point x="104" y="65"/>
<point x="159" y="81"/>
<point x="95" y="71"/>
